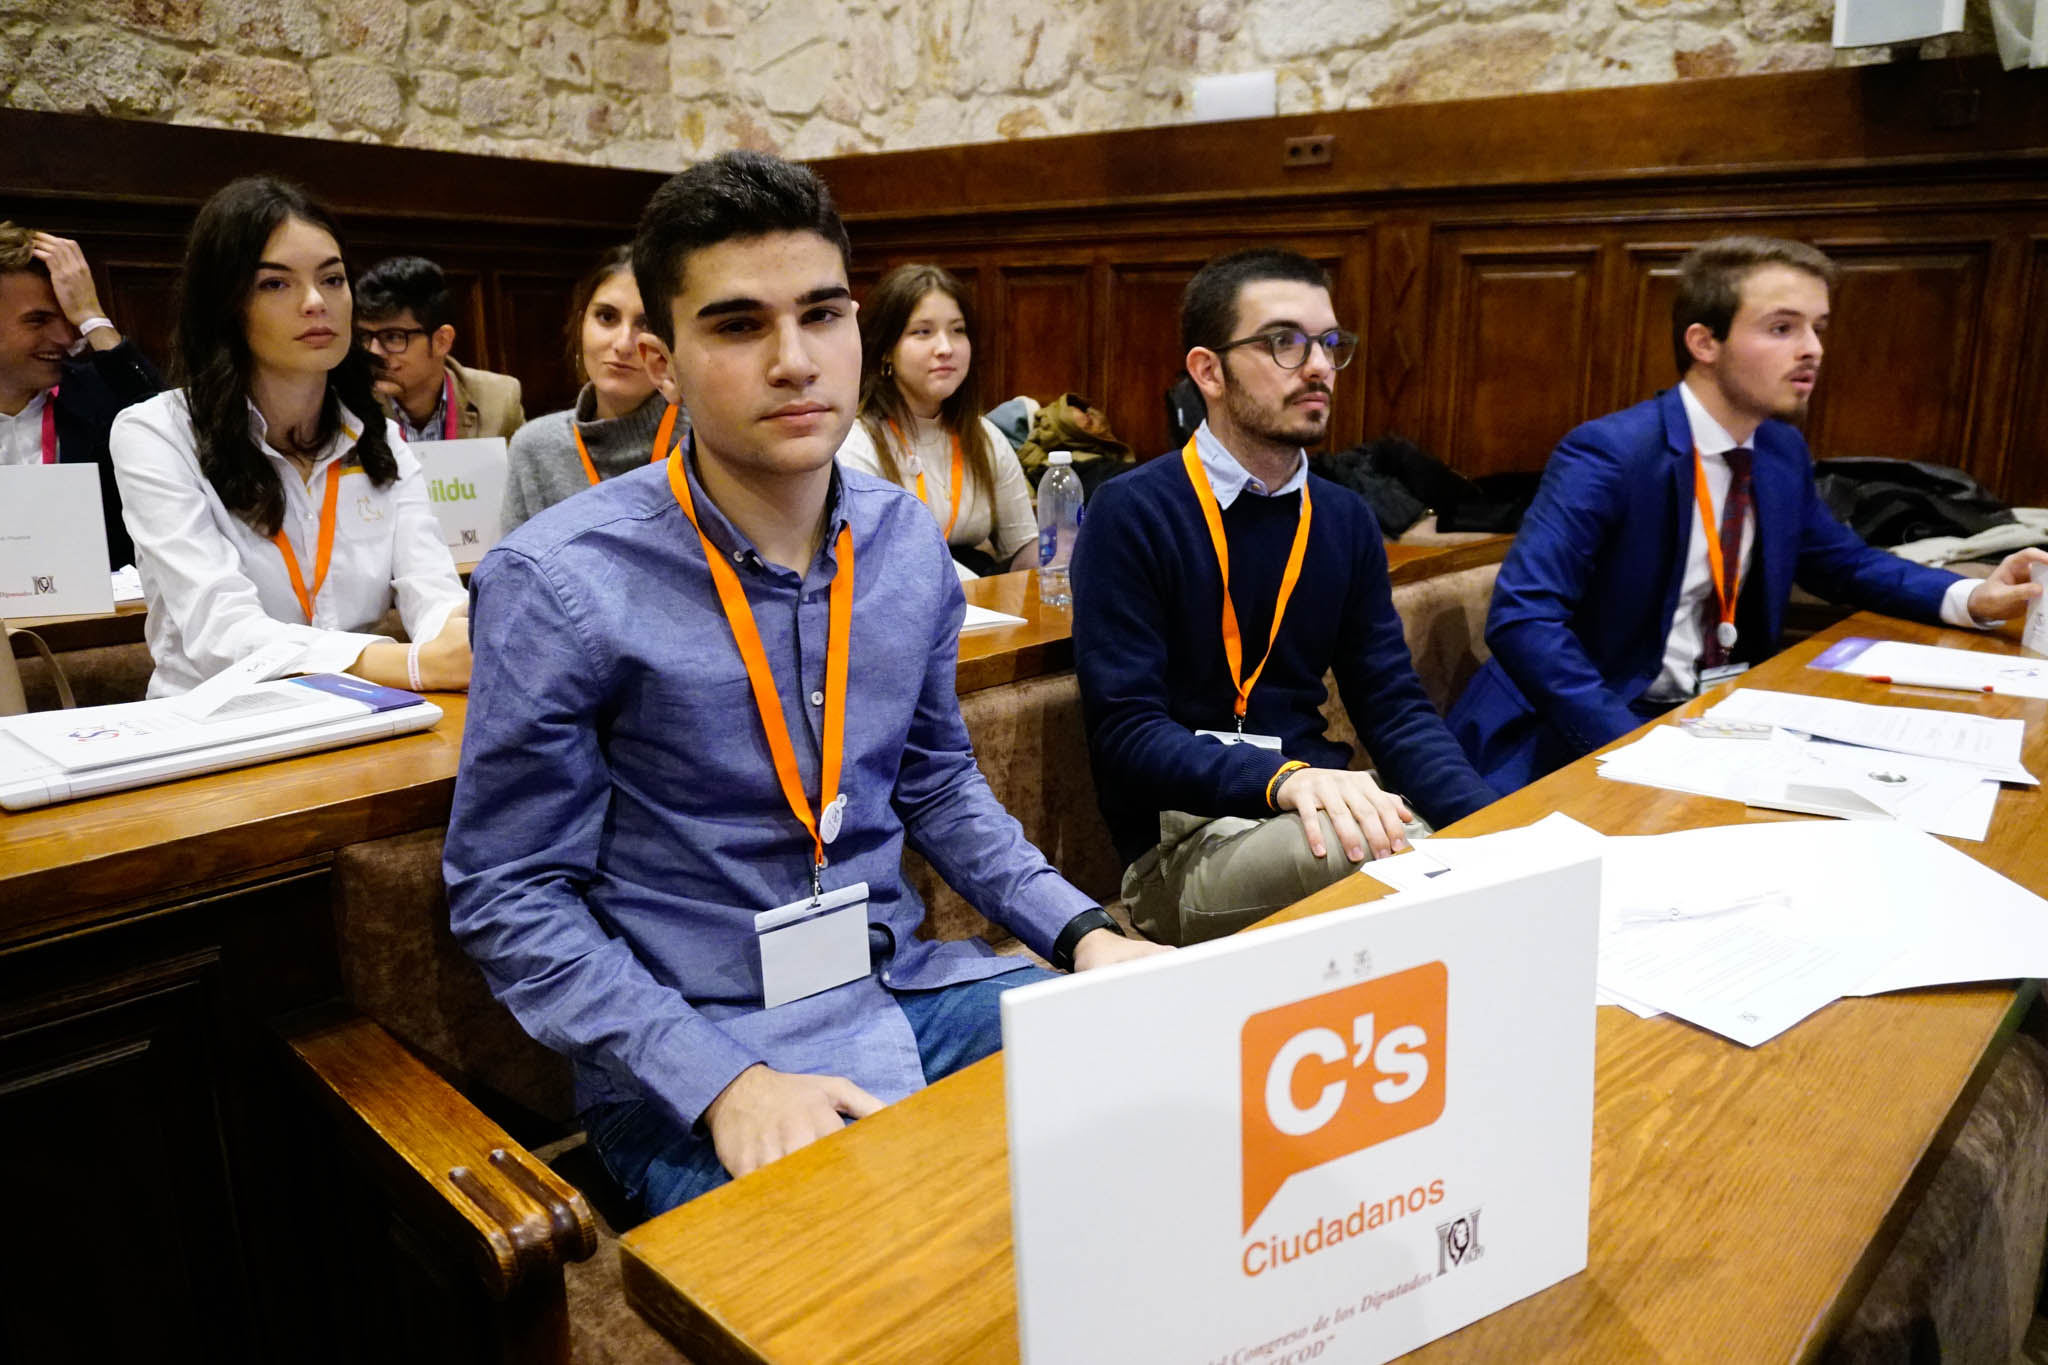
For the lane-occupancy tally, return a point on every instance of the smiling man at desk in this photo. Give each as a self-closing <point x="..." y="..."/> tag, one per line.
<point x="696" y="680"/>
<point x="1617" y="601"/>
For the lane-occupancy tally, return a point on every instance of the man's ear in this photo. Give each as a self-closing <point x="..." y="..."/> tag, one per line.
<point x="1701" y="342"/>
<point x="442" y="340"/>
<point x="1205" y="367"/>
<point x="660" y="365"/>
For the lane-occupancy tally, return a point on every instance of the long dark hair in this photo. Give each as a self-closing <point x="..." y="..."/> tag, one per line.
<point x="214" y="363"/>
<point x="611" y="263"/>
<point x="883" y="317"/>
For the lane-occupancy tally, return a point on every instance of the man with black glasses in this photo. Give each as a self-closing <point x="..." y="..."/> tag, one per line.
<point x="405" y="320"/>
<point x="1213" y="589"/>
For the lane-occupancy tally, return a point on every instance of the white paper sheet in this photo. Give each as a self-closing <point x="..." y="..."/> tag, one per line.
<point x="978" y="618"/>
<point x="1960" y="670"/>
<point x="1990" y="743"/>
<point x="1818" y="777"/>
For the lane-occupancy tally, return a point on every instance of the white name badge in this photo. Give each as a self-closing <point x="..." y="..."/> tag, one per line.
<point x="1714" y="677"/>
<point x="812" y="945"/>
<point x="53" y="542"/>
<point x="466" y="484"/>
<point x="1233" y="737"/>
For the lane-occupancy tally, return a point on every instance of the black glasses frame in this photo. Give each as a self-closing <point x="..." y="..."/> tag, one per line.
<point x="1339" y="345"/>
<point x="377" y="340"/>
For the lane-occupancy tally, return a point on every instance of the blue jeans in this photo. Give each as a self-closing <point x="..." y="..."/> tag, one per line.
<point x="659" y="1166"/>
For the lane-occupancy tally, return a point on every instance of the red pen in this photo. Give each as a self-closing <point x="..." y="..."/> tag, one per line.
<point x="1947" y="683"/>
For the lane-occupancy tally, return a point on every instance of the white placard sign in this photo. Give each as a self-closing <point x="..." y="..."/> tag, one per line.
<point x="1331" y="1141"/>
<point x="53" y="542"/>
<point x="466" y="482"/>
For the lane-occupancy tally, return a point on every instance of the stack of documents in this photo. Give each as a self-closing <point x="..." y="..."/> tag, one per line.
<point x="48" y="756"/>
<point x="1747" y="929"/>
<point x="1931" y="769"/>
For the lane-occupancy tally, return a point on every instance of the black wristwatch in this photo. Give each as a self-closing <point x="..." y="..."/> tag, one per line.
<point x="1078" y="928"/>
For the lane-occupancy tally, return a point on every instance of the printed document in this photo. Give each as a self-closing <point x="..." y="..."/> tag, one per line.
<point x="1989" y="743"/>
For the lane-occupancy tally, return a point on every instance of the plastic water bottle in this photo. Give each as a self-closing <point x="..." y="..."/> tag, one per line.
<point x="1059" y="522"/>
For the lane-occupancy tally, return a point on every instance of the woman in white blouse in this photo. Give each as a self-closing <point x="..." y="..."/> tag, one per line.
<point x="921" y="425"/>
<point x="270" y="499"/>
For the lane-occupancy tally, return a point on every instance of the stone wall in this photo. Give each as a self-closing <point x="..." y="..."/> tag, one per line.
<point x="657" y="83"/>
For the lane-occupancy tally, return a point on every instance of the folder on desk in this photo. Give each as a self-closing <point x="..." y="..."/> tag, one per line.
<point x="50" y="756"/>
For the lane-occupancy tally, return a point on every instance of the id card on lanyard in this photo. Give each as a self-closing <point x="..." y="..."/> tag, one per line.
<point x="1233" y="645"/>
<point x="813" y="944"/>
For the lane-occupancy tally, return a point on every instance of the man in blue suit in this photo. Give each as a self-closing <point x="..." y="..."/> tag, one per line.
<point x="1664" y="541"/>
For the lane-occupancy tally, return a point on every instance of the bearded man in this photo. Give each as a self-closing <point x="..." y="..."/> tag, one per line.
<point x="1213" y="590"/>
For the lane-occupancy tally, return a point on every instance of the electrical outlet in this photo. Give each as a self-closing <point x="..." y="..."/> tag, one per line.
<point x="1306" y="151"/>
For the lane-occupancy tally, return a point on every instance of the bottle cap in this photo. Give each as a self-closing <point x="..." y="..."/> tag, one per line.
<point x="1060" y="457"/>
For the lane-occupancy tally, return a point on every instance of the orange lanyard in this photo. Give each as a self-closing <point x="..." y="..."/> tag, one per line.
<point x="958" y="466"/>
<point x="740" y="616"/>
<point x="321" y="557"/>
<point x="661" y="435"/>
<point x="1233" y="647"/>
<point x="1726" y="586"/>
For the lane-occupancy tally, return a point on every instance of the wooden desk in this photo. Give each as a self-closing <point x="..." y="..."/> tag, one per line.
<point x="101" y="857"/>
<point x="1000" y="654"/>
<point x="1044" y="644"/>
<point x="1414" y="563"/>
<point x="1742" y="1199"/>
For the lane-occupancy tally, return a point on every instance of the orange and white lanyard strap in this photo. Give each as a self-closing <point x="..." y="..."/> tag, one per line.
<point x="959" y="464"/>
<point x="838" y="644"/>
<point x="1727" y="589"/>
<point x="661" y="435"/>
<point x="1233" y="647"/>
<point x="322" y="556"/>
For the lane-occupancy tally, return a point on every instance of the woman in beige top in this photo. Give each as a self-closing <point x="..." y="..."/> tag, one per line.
<point x="921" y="425"/>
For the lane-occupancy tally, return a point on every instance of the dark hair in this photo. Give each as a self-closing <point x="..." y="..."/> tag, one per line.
<point x="401" y="284"/>
<point x="733" y="195"/>
<point x="1208" y="307"/>
<point x="17" y="251"/>
<point x="883" y="317"/>
<point x="611" y="263"/>
<point x="1710" y="282"/>
<point x="213" y="359"/>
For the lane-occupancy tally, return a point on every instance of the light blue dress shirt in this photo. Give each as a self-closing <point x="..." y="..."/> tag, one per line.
<point x="618" y="822"/>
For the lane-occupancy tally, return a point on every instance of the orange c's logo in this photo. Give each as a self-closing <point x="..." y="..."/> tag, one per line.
<point x="1337" y="1073"/>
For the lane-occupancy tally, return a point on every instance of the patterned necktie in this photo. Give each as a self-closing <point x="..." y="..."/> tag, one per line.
<point x="1734" y="512"/>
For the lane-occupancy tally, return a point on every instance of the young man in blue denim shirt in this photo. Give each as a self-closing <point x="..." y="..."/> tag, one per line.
<point x="724" y="685"/>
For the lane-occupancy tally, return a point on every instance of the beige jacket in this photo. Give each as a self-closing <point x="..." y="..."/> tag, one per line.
<point x="486" y="404"/>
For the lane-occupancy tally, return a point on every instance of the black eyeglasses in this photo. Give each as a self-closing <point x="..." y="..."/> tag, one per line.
<point x="389" y="340"/>
<point x="1290" y="347"/>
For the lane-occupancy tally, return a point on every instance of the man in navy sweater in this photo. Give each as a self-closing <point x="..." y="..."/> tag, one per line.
<point x="1213" y="588"/>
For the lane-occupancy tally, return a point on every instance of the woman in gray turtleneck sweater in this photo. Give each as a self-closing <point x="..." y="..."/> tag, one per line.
<point x="618" y="415"/>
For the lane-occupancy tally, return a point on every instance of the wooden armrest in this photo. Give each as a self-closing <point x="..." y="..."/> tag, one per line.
<point x="461" y="1174"/>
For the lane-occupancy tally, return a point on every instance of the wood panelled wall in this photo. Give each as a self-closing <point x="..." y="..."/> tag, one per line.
<point x="513" y="236"/>
<point x="1508" y="262"/>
